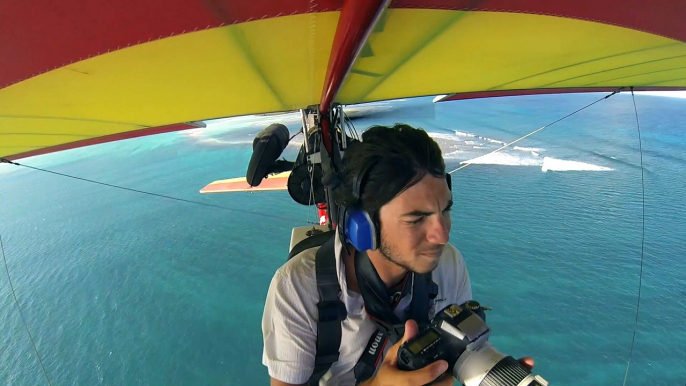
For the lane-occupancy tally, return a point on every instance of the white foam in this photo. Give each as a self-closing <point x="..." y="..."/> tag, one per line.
<point x="503" y="159"/>
<point x="220" y="142"/>
<point x="217" y="142"/>
<point x="546" y="164"/>
<point x="554" y="164"/>
<point x="464" y="134"/>
<point x="447" y="137"/>
<point x="452" y="154"/>
<point x="528" y="149"/>
<point x="469" y="142"/>
<point x="494" y="141"/>
<point x="533" y="153"/>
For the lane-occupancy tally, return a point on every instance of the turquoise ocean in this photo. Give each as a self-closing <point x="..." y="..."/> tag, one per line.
<point x="124" y="288"/>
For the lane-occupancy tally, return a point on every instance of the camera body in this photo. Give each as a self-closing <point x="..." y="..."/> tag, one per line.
<point x="459" y="335"/>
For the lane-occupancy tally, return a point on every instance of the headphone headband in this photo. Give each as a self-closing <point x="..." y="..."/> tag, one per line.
<point x="359" y="177"/>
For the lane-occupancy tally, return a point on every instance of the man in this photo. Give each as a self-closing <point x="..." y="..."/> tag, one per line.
<point x="404" y="190"/>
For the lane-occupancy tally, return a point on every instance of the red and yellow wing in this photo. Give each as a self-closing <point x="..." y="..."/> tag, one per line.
<point x="74" y="73"/>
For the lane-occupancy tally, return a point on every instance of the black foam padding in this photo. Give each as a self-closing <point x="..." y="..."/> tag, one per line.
<point x="304" y="188"/>
<point x="267" y="147"/>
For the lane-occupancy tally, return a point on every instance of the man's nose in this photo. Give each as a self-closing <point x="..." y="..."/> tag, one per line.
<point x="439" y="232"/>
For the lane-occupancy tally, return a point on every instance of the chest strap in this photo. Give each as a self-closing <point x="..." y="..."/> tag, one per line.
<point x="331" y="311"/>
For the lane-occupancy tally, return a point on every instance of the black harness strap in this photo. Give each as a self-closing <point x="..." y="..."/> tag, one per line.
<point x="331" y="311"/>
<point x="310" y="242"/>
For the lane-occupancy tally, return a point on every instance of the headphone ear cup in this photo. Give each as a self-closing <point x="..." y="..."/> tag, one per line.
<point x="360" y="230"/>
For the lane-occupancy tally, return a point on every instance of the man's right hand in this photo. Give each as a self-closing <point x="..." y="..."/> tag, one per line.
<point x="389" y="374"/>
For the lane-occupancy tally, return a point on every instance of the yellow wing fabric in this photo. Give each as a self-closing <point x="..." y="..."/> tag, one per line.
<point x="449" y="51"/>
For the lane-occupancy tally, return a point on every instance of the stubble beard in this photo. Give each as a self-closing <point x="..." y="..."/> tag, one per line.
<point x="396" y="258"/>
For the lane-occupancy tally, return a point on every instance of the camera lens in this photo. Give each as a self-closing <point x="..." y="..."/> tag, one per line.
<point x="507" y="372"/>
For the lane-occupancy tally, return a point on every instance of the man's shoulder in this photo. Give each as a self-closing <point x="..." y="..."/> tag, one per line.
<point x="299" y="271"/>
<point x="451" y="256"/>
<point x="452" y="278"/>
<point x="451" y="268"/>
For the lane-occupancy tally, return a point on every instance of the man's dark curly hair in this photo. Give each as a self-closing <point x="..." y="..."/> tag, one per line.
<point x="402" y="156"/>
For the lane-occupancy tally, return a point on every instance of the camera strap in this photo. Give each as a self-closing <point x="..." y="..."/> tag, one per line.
<point x="380" y="310"/>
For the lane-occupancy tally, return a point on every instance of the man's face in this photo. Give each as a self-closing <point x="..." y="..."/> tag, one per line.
<point x="415" y="225"/>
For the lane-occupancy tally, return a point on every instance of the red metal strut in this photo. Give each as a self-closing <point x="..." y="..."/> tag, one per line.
<point x="354" y="26"/>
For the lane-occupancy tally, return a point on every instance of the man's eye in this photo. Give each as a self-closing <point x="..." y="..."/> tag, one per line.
<point x="417" y="221"/>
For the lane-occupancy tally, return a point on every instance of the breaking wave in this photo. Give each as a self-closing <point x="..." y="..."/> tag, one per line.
<point x="529" y="149"/>
<point x="559" y="165"/>
<point x="546" y="164"/>
<point x="503" y="159"/>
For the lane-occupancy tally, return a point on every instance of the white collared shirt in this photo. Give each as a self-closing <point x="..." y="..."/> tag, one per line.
<point x="289" y="322"/>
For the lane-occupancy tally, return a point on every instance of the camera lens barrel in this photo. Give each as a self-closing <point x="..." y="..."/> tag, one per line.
<point x="508" y="372"/>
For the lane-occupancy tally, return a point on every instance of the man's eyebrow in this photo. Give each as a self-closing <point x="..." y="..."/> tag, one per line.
<point x="419" y="213"/>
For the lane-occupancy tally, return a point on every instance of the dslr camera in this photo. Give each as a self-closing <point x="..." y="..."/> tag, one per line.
<point x="459" y="335"/>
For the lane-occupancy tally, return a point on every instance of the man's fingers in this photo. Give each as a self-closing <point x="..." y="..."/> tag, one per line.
<point x="428" y="373"/>
<point x="446" y="380"/>
<point x="411" y="329"/>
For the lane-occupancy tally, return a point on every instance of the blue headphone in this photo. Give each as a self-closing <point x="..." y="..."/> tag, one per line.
<point x="361" y="229"/>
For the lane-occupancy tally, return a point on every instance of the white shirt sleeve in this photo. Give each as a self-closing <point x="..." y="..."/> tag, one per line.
<point x="290" y="341"/>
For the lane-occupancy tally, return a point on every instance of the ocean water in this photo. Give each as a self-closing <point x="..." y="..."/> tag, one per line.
<point x="123" y="288"/>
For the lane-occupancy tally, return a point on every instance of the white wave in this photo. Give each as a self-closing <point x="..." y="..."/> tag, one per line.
<point x="217" y="142"/>
<point x="503" y="159"/>
<point x="220" y="142"/>
<point x="469" y="142"/>
<point x="554" y="164"/>
<point x="452" y="154"/>
<point x="479" y="147"/>
<point x="447" y="137"/>
<point x="533" y="153"/>
<point x="494" y="141"/>
<point x="464" y="134"/>
<point x="528" y="149"/>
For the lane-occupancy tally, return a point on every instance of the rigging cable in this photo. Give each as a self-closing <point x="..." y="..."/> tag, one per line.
<point x="16" y="301"/>
<point x="539" y="129"/>
<point x="3" y="160"/>
<point x="643" y="232"/>
<point x="294" y="135"/>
